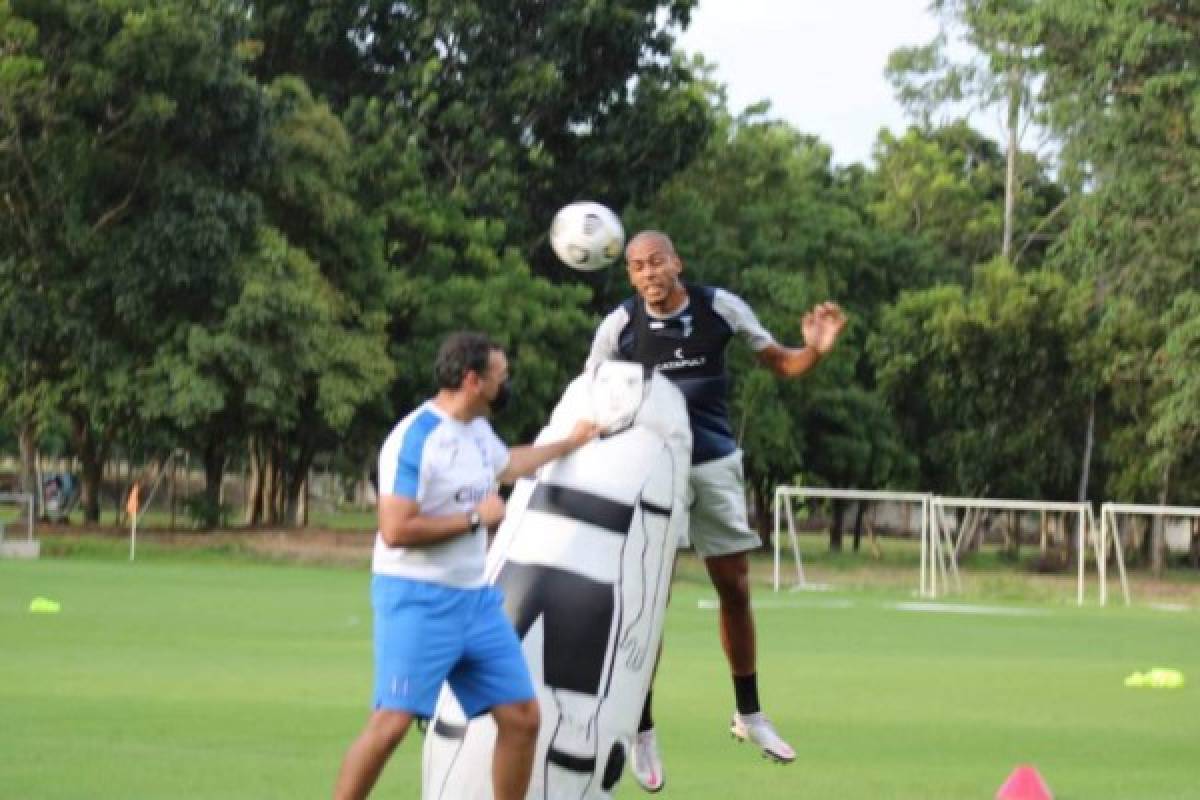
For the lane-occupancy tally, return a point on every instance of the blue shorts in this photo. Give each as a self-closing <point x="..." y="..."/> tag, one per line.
<point x="426" y="633"/>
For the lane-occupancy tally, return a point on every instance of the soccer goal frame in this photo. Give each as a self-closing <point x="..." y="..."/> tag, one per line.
<point x="19" y="548"/>
<point x="942" y="537"/>
<point x="1110" y="531"/>
<point x="785" y="513"/>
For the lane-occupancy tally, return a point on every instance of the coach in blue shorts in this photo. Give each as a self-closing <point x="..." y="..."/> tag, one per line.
<point x="435" y="619"/>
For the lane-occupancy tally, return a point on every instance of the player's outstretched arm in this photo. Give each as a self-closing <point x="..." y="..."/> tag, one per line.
<point x="524" y="460"/>
<point x="821" y="328"/>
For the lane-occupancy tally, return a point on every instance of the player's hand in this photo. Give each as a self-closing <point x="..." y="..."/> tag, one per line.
<point x="822" y="326"/>
<point x="491" y="510"/>
<point x="584" y="431"/>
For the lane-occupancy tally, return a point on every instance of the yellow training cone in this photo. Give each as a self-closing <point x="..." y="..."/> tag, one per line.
<point x="1166" y="678"/>
<point x="1156" y="678"/>
<point x="44" y="605"/>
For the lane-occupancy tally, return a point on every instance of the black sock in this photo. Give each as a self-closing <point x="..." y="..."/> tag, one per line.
<point x="745" y="690"/>
<point x="647" y="716"/>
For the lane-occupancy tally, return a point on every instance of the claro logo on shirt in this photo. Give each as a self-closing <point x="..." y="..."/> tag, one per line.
<point x="471" y="494"/>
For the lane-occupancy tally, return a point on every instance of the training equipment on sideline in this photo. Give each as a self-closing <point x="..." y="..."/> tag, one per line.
<point x="1024" y="783"/>
<point x="586" y="236"/>
<point x="584" y="556"/>
<point x="1156" y="678"/>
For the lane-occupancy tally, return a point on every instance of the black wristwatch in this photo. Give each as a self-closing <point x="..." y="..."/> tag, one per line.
<point x="473" y="519"/>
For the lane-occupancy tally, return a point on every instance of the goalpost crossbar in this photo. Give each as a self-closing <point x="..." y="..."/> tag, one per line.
<point x="14" y="548"/>
<point x="784" y="512"/>
<point x="1085" y="526"/>
<point x="1110" y="531"/>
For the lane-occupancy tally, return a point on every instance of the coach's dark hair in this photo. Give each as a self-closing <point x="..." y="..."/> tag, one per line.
<point x="460" y="353"/>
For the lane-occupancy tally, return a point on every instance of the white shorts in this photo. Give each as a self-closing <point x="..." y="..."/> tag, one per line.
<point x="719" y="525"/>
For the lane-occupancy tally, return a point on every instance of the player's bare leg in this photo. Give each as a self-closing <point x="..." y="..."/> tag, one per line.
<point x="516" y="742"/>
<point x="731" y="577"/>
<point x="366" y="757"/>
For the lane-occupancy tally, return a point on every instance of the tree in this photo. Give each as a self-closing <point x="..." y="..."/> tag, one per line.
<point x="129" y="133"/>
<point x="987" y="382"/>
<point x="474" y="121"/>
<point x="301" y="348"/>
<point x="945" y="186"/>
<point x="1121" y="88"/>
<point x="926" y="79"/>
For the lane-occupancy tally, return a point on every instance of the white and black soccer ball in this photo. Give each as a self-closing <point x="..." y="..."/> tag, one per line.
<point x="587" y="236"/>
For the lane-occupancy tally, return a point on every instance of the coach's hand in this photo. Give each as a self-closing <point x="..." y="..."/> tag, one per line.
<point x="584" y="431"/>
<point x="491" y="510"/>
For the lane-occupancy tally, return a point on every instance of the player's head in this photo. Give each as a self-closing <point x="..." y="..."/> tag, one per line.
<point x="654" y="269"/>
<point x="472" y="363"/>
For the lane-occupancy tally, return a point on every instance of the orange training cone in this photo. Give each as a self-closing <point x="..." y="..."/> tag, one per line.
<point x="1024" y="784"/>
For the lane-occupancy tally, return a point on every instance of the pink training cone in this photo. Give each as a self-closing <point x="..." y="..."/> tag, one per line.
<point x="1024" y="784"/>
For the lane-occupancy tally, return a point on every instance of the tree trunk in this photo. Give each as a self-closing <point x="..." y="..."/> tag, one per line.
<point x="292" y="501"/>
<point x="91" y="454"/>
<point x="27" y="443"/>
<point x="764" y="512"/>
<point x="858" y="524"/>
<point x="1010" y="180"/>
<point x="835" y="526"/>
<point x="254" y="484"/>
<point x="214" y="472"/>
<point x="278" y="486"/>
<point x="1088" y="443"/>
<point x="172" y="492"/>
<point x="1158" y="546"/>
<point x="1013" y="539"/>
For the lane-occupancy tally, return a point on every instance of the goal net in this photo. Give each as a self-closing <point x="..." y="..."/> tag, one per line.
<point x="789" y="498"/>
<point x="957" y="524"/>
<point x="16" y="526"/>
<point x="1123" y="523"/>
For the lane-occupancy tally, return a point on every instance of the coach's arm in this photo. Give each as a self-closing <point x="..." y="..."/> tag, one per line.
<point x="524" y="460"/>
<point x="401" y="523"/>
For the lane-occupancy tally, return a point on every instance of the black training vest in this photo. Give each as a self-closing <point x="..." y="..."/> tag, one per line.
<point x="689" y="349"/>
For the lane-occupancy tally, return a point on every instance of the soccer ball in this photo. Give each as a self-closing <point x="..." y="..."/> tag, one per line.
<point x="586" y="236"/>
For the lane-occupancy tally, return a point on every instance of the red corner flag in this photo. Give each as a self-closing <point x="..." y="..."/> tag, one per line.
<point x="1024" y="784"/>
<point x="131" y="505"/>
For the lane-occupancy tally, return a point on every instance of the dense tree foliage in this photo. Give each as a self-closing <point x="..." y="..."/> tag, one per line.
<point x="239" y="229"/>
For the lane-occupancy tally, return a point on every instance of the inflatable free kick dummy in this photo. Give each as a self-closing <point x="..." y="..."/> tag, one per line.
<point x="584" y="556"/>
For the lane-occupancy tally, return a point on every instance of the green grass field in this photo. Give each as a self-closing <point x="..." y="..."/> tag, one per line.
<point x="215" y="677"/>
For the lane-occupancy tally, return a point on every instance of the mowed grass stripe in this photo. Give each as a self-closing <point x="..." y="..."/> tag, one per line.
<point x="193" y="679"/>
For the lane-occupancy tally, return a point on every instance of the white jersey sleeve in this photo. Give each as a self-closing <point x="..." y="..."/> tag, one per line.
<point x="606" y="341"/>
<point x="403" y="454"/>
<point x="741" y="318"/>
<point x="497" y="452"/>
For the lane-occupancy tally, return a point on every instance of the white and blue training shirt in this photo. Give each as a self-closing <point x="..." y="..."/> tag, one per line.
<point x="447" y="467"/>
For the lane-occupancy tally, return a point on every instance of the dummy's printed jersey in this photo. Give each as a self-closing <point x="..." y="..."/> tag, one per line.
<point x="447" y="467"/>
<point x="688" y="347"/>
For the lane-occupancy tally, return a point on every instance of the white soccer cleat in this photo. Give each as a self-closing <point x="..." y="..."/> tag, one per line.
<point x="758" y="729"/>
<point x="647" y="766"/>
